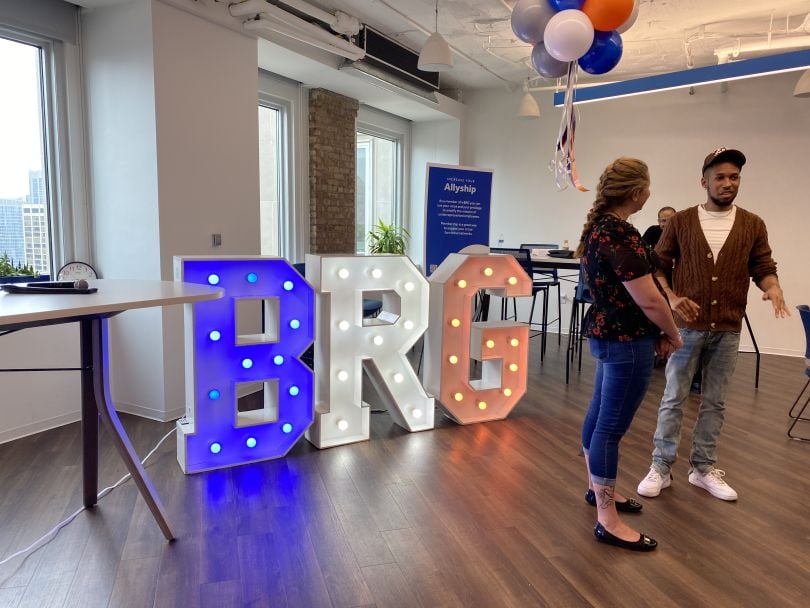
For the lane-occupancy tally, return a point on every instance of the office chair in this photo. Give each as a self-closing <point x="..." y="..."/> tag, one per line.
<point x="524" y="258"/>
<point x="582" y="299"/>
<point x="804" y="312"/>
<point x="549" y="276"/>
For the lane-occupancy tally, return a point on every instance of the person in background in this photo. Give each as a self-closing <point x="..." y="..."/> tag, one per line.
<point x="627" y="324"/>
<point x="713" y="250"/>
<point x="653" y="233"/>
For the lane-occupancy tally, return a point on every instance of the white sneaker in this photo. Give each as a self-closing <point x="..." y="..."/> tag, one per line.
<point x="653" y="483"/>
<point x="713" y="483"/>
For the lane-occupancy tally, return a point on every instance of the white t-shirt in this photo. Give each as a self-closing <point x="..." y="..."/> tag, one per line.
<point x="716" y="225"/>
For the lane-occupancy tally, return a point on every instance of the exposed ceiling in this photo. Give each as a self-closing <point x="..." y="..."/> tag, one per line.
<point x="669" y="35"/>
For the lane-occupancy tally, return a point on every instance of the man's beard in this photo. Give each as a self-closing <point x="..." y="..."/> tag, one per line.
<point x="720" y="202"/>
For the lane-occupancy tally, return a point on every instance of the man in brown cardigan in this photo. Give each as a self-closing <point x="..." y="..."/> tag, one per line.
<point x="712" y="249"/>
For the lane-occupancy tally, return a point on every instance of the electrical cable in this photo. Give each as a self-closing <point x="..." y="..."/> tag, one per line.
<point x="51" y="534"/>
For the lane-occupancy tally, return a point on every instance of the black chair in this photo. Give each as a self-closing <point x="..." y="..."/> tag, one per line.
<point x="804" y="312"/>
<point x="582" y="299"/>
<point x="524" y="258"/>
<point x="756" y="348"/>
<point x="552" y="279"/>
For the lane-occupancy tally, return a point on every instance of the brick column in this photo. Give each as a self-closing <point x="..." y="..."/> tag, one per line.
<point x="332" y="172"/>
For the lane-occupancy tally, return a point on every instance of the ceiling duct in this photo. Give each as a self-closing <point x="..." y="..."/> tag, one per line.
<point x="389" y="60"/>
<point x="268" y="18"/>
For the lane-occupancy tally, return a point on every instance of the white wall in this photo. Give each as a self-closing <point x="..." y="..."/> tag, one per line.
<point x="206" y="93"/>
<point x="672" y="132"/>
<point x="172" y="115"/>
<point x="437" y="141"/>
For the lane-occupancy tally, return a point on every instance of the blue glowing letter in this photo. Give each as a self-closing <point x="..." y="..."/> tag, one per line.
<point x="220" y="363"/>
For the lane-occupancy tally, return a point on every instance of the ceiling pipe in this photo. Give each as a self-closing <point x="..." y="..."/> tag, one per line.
<point x="341" y="23"/>
<point x="726" y="53"/>
<point x="285" y="24"/>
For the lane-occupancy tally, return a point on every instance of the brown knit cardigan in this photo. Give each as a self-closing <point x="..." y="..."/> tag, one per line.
<point x="721" y="289"/>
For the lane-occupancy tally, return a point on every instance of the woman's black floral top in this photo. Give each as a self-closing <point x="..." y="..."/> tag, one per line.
<point x="615" y="253"/>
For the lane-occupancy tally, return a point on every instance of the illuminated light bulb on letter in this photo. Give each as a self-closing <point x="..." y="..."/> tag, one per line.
<point x="378" y="340"/>
<point x="490" y="343"/>
<point x="487" y="271"/>
<point x="507" y="392"/>
<point x="452" y="359"/>
<point x="455" y="322"/>
<point x="482" y="405"/>
<point x="376" y="273"/>
<point x="512" y="280"/>
<point x="513" y="367"/>
<point x="462" y="283"/>
<point x="343" y="375"/>
<point x="342" y="425"/>
<point x="408" y="286"/>
<point x="343" y="273"/>
<point x="398" y="377"/>
<point x="343" y="325"/>
<point x="417" y="413"/>
<point x="514" y="342"/>
<point x="408" y="325"/>
<point x="458" y="396"/>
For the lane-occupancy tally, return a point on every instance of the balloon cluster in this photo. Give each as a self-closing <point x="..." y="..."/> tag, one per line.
<point x="562" y="31"/>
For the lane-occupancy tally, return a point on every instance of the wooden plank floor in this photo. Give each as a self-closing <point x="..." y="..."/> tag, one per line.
<point x="484" y="515"/>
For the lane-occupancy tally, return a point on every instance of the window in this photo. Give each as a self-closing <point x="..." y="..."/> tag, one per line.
<point x="25" y="202"/>
<point x="271" y="184"/>
<point x="377" y="193"/>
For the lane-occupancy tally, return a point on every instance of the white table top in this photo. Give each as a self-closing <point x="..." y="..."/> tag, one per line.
<point x="556" y="262"/>
<point x="113" y="295"/>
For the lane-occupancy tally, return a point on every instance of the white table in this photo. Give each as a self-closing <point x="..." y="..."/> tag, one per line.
<point x="91" y="311"/>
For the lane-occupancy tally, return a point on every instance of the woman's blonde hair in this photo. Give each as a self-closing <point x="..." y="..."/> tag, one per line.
<point x="620" y="180"/>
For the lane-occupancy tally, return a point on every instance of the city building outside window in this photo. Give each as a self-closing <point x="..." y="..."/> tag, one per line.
<point x="25" y="234"/>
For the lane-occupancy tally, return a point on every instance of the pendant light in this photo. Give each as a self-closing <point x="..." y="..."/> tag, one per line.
<point x="528" y="108"/>
<point x="803" y="86"/>
<point x="436" y="55"/>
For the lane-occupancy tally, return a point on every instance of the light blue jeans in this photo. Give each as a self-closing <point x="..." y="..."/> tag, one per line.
<point x="718" y="352"/>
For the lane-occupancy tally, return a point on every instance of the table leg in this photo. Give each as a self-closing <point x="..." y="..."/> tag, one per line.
<point x="89" y="418"/>
<point x="109" y="418"/>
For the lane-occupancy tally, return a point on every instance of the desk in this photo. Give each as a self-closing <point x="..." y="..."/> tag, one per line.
<point x="540" y="262"/>
<point x="91" y="311"/>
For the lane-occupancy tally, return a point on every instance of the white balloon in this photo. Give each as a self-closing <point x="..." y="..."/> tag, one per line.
<point x="569" y="35"/>
<point x="631" y="20"/>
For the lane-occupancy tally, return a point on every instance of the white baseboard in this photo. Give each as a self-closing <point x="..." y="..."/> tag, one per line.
<point x="782" y="352"/>
<point x="39" y="426"/>
<point x="149" y="412"/>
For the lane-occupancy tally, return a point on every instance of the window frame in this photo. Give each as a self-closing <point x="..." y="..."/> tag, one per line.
<point x="285" y="175"/>
<point x="400" y="140"/>
<point x="63" y="146"/>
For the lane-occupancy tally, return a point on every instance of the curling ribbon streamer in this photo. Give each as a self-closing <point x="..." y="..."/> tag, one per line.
<point x="564" y="162"/>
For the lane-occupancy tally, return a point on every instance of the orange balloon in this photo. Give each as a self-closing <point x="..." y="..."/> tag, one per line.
<point x="607" y="15"/>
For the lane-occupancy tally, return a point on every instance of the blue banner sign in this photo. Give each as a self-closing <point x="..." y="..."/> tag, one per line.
<point x="457" y="204"/>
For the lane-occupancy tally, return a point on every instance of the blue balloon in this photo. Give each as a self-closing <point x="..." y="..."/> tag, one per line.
<point x="564" y="5"/>
<point x="604" y="54"/>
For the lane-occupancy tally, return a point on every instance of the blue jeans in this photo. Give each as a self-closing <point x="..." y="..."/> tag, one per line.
<point x="623" y="371"/>
<point x="718" y="353"/>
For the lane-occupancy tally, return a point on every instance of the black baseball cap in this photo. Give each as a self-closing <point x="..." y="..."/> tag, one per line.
<point x="724" y="155"/>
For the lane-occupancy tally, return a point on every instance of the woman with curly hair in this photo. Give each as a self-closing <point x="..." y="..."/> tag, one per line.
<point x="628" y="323"/>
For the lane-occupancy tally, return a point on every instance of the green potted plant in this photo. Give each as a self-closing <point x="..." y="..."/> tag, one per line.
<point x="15" y="272"/>
<point x="387" y="238"/>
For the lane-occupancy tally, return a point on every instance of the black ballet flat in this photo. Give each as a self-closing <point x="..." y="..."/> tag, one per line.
<point x="644" y="542"/>
<point x="627" y="506"/>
